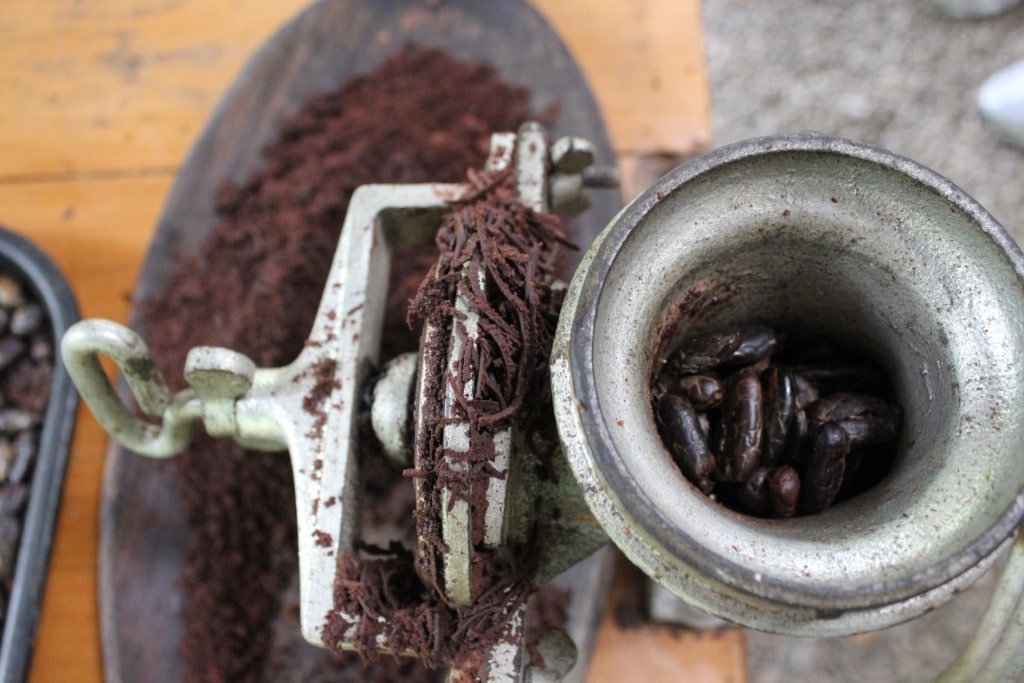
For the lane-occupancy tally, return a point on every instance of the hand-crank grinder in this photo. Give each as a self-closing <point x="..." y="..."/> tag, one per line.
<point x="818" y="234"/>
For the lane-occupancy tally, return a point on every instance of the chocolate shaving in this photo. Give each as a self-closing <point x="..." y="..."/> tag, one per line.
<point x="490" y="231"/>
<point x="493" y="232"/>
<point x="324" y="384"/>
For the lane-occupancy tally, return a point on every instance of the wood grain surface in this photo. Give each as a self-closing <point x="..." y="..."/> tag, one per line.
<point x="99" y="104"/>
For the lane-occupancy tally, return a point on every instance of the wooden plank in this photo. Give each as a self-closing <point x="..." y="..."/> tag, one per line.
<point x="100" y="87"/>
<point x="645" y="62"/>
<point x="660" y="653"/>
<point x="96" y="231"/>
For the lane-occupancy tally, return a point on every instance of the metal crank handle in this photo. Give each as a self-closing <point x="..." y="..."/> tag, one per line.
<point x="228" y="393"/>
<point x="81" y="348"/>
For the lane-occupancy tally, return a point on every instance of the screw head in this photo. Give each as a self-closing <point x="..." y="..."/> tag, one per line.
<point x="571" y="154"/>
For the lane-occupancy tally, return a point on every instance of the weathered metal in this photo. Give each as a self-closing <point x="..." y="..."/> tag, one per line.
<point x="823" y="236"/>
<point x="311" y="407"/>
<point x="814" y="234"/>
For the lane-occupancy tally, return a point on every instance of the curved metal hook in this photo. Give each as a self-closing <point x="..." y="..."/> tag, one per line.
<point x="81" y="347"/>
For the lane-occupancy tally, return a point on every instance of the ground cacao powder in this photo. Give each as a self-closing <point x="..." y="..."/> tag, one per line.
<point x="254" y="286"/>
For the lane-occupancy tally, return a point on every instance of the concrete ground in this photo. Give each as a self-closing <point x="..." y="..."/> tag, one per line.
<point x="909" y="653"/>
<point x="901" y="75"/>
<point x="894" y="73"/>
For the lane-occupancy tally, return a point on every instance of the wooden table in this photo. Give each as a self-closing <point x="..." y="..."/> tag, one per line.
<point x="99" y="102"/>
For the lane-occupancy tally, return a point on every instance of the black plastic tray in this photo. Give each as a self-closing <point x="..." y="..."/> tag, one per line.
<point x="23" y="259"/>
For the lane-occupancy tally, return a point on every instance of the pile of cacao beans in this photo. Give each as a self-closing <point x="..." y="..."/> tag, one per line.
<point x="26" y="374"/>
<point x="772" y="429"/>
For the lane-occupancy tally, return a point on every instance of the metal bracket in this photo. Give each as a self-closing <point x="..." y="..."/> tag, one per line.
<point x="310" y="407"/>
<point x="307" y="407"/>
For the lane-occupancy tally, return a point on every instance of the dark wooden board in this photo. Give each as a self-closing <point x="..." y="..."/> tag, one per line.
<point x="142" y="536"/>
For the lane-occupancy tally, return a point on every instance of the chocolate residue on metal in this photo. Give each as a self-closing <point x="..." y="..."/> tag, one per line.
<point x="705" y="297"/>
<point x="324" y="383"/>
<point x="491" y="231"/>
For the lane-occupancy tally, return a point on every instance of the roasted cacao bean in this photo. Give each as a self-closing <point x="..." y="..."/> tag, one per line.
<point x="868" y="420"/>
<point x="742" y="426"/>
<point x="780" y="407"/>
<point x="682" y="433"/>
<point x="775" y="435"/>
<point x="702" y="391"/>
<point x="826" y="465"/>
<point x="784" y="491"/>
<point x="753" y="494"/>
<point x="738" y="347"/>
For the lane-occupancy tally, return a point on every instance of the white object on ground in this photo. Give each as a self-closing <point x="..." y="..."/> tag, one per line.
<point x="1001" y="102"/>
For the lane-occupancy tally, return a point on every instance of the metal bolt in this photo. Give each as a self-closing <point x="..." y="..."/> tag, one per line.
<point x="571" y="154"/>
<point x="567" y="193"/>
<point x="390" y="412"/>
<point x="219" y="377"/>
<point x="601" y="176"/>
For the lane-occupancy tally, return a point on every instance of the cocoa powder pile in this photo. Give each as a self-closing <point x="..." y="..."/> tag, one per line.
<point x="254" y="286"/>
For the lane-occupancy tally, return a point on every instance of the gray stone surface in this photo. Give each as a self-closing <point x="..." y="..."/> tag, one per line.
<point x="909" y="653"/>
<point x="902" y="75"/>
<point x="895" y="73"/>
